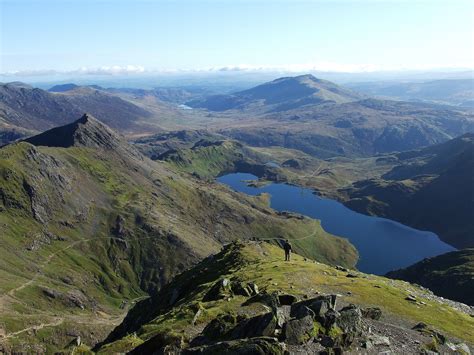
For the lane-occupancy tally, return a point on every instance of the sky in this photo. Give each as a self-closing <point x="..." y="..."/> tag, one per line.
<point x="125" y="36"/>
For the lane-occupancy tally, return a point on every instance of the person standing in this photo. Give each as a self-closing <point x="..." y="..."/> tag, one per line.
<point x="287" y="248"/>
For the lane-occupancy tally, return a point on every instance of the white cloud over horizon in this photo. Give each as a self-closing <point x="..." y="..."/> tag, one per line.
<point x="329" y="67"/>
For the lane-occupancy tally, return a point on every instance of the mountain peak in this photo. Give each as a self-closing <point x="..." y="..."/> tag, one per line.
<point x="87" y="131"/>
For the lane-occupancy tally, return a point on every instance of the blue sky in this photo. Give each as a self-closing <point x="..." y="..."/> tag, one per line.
<point x="120" y="35"/>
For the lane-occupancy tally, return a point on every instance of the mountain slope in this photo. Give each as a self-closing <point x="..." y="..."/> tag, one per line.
<point x="88" y="226"/>
<point x="247" y="297"/>
<point x="457" y="92"/>
<point x="354" y="129"/>
<point x="26" y="109"/>
<point x="431" y="189"/>
<point x="449" y="275"/>
<point x="280" y="95"/>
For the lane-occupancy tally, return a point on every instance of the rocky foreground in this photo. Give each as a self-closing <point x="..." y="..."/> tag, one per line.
<point x="246" y="300"/>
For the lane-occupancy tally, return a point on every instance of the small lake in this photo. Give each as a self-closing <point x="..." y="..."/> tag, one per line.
<point x="383" y="244"/>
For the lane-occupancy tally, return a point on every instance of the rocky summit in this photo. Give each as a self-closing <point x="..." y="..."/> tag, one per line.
<point x="247" y="300"/>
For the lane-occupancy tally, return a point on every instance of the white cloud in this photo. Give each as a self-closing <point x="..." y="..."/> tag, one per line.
<point x="111" y="70"/>
<point x="331" y="67"/>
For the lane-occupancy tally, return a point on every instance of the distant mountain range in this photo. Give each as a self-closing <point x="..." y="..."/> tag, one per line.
<point x="457" y="92"/>
<point x="280" y="95"/>
<point x="303" y="112"/>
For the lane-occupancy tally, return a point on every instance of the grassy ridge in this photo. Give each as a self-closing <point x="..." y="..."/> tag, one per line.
<point x="264" y="265"/>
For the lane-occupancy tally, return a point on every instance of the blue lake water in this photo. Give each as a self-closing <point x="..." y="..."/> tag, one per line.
<point x="383" y="244"/>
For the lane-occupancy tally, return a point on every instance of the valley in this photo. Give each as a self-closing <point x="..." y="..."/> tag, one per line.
<point x="98" y="223"/>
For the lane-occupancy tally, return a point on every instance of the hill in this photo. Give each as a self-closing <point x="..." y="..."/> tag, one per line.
<point x="26" y="110"/>
<point x="247" y="300"/>
<point x="456" y="92"/>
<point x="88" y="226"/>
<point x="449" y="275"/>
<point x="354" y="129"/>
<point x="280" y="95"/>
<point x="430" y="189"/>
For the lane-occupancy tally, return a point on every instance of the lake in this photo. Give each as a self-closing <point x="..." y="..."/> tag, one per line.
<point x="383" y="244"/>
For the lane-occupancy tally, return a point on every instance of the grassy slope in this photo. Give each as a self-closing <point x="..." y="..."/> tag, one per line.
<point x="264" y="265"/>
<point x="170" y="222"/>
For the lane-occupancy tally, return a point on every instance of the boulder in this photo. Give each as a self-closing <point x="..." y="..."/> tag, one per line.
<point x="262" y="325"/>
<point x="244" y="288"/>
<point x="319" y="305"/>
<point x="350" y="319"/>
<point x="299" y="331"/>
<point x="220" y="327"/>
<point x="268" y="299"/>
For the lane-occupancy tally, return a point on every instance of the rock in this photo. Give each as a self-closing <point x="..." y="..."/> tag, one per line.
<point x="351" y="275"/>
<point x="376" y="340"/>
<point x="425" y="329"/>
<point x="460" y="348"/>
<point x="287" y="299"/>
<point x="220" y="327"/>
<point x="220" y="290"/>
<point x="350" y="319"/>
<point x="299" y="331"/>
<point x="51" y="293"/>
<point x="76" y="298"/>
<point x="253" y="346"/>
<point x="302" y="312"/>
<point x="338" y="267"/>
<point x="410" y="298"/>
<point x="244" y="289"/>
<point x="162" y="343"/>
<point x="372" y="313"/>
<point x="319" y="305"/>
<point x="268" y="299"/>
<point x="282" y="315"/>
<point x="196" y="316"/>
<point x="262" y="325"/>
